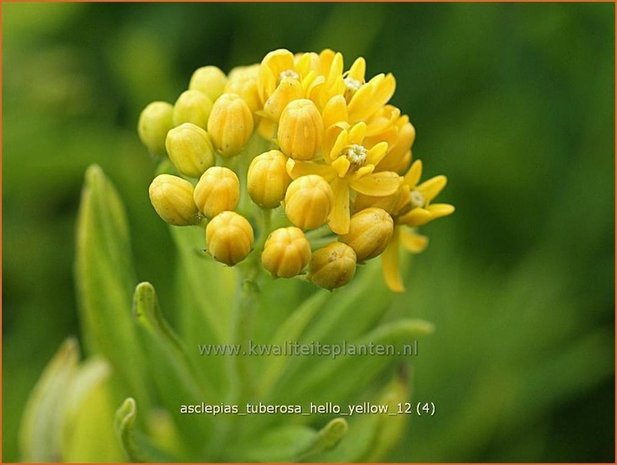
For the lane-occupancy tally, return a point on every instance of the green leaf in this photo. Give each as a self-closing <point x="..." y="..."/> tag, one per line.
<point x="371" y="436"/>
<point x="136" y="445"/>
<point x="329" y="380"/>
<point x="326" y="439"/>
<point x="89" y="414"/>
<point x="354" y="308"/>
<point x="290" y="330"/>
<point x="293" y="442"/>
<point x="40" y="436"/>
<point x="105" y="279"/>
<point x="210" y="287"/>
<point x="176" y="379"/>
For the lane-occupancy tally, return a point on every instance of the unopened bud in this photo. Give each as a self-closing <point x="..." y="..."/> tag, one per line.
<point x="230" y="125"/>
<point x="333" y="266"/>
<point x="300" y="130"/>
<point x="243" y="81"/>
<point x="309" y="201"/>
<point x="267" y="179"/>
<point x="229" y="238"/>
<point x="370" y="231"/>
<point x="217" y="190"/>
<point x="190" y="149"/>
<point x="172" y="198"/>
<point x="154" y="122"/>
<point x="192" y="107"/>
<point x="289" y="89"/>
<point x="286" y="252"/>
<point x="210" y="80"/>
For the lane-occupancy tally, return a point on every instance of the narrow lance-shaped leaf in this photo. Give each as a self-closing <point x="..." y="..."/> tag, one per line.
<point x="105" y="280"/>
<point x="40" y="435"/>
<point x="320" y="384"/>
<point x="89" y="414"/>
<point x="176" y="380"/>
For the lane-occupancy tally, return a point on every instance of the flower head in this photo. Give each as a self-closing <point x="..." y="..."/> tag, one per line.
<point x="298" y="133"/>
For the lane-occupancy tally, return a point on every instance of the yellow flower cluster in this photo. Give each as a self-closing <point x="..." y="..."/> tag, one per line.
<point x="298" y="134"/>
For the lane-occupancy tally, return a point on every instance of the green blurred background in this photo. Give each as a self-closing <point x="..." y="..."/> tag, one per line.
<point x="514" y="102"/>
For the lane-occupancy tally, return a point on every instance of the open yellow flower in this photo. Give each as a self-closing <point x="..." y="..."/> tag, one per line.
<point x="349" y="168"/>
<point x="412" y="207"/>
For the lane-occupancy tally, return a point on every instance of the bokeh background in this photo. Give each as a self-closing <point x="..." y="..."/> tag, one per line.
<point x="514" y="102"/>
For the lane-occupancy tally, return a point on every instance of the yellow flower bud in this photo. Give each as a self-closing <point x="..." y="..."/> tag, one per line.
<point x="288" y="90"/>
<point x="229" y="238"/>
<point x="154" y="122"/>
<point x="243" y="81"/>
<point x="267" y="179"/>
<point x="230" y="124"/>
<point x="217" y="190"/>
<point x="286" y="252"/>
<point x="300" y="131"/>
<point x="190" y="149"/>
<point x="210" y="80"/>
<point x="172" y="198"/>
<point x="192" y="107"/>
<point x="333" y="266"/>
<point x="370" y="231"/>
<point x="398" y="157"/>
<point x="309" y="201"/>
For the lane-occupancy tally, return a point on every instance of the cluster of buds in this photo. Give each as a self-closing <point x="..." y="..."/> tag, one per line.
<point x="297" y="134"/>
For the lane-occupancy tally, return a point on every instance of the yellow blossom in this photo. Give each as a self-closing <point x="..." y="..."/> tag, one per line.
<point x="369" y="233"/>
<point x="190" y="149"/>
<point x="333" y="266"/>
<point x="217" y="190"/>
<point x="229" y="238"/>
<point x="230" y="124"/>
<point x="154" y="122"/>
<point x="210" y="80"/>
<point x="243" y="81"/>
<point x="267" y="179"/>
<point x="413" y="208"/>
<point x="308" y="201"/>
<point x="286" y="252"/>
<point x="300" y="130"/>
<point x="192" y="107"/>
<point x="172" y="198"/>
<point x="350" y="168"/>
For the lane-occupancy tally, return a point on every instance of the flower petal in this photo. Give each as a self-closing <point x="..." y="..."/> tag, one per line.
<point x="439" y="210"/>
<point x="339" y="217"/>
<point x="416" y="217"/>
<point x="358" y="70"/>
<point x="377" y="184"/>
<point x="376" y="153"/>
<point x="432" y="187"/>
<point x="357" y="132"/>
<point x="295" y="169"/>
<point x="414" y="243"/>
<point x="390" y="264"/>
<point x="335" y="111"/>
<point x="341" y="166"/>
<point x="414" y="174"/>
<point x="339" y="145"/>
